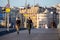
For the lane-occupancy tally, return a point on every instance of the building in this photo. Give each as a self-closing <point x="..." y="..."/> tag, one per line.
<point x="35" y="13"/>
<point x="40" y="15"/>
<point x="58" y="11"/>
<point x="30" y="12"/>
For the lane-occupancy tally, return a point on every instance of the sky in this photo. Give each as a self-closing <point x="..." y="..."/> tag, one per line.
<point x="19" y="3"/>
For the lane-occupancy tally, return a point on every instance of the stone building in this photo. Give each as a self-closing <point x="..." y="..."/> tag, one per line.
<point x="39" y="15"/>
<point x="30" y="12"/>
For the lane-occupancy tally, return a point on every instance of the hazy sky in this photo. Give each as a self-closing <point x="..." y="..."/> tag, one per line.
<point x="19" y="3"/>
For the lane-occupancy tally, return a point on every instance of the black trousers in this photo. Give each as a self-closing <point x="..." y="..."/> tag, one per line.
<point x="29" y="28"/>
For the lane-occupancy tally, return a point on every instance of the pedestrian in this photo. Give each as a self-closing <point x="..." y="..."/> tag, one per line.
<point x="18" y="24"/>
<point x="53" y="24"/>
<point x="29" y="24"/>
<point x="45" y="26"/>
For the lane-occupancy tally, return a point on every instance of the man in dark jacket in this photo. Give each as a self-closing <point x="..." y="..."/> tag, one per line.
<point x="18" y="24"/>
<point x="29" y="24"/>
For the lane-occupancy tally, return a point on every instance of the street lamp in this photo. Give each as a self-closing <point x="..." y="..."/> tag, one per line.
<point x="51" y="12"/>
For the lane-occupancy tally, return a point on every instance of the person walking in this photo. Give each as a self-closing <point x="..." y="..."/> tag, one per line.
<point x="18" y="24"/>
<point x="29" y="24"/>
<point x="53" y="24"/>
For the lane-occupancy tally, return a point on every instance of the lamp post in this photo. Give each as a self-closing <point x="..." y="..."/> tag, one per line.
<point x="7" y="15"/>
<point x="25" y="13"/>
<point x="7" y="18"/>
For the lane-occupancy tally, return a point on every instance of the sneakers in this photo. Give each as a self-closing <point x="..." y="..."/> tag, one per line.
<point x="17" y="32"/>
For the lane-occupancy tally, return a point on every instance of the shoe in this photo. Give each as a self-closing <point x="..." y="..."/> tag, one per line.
<point x="17" y="32"/>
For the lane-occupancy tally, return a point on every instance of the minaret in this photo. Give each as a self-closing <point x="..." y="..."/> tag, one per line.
<point x="34" y="2"/>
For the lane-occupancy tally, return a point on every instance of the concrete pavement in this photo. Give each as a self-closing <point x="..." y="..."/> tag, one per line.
<point x="3" y="31"/>
<point x="36" y="34"/>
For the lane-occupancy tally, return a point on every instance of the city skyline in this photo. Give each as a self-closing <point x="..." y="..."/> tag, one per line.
<point x="19" y="3"/>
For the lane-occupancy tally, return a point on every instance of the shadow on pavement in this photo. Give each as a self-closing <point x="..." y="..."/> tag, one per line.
<point x="2" y="33"/>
